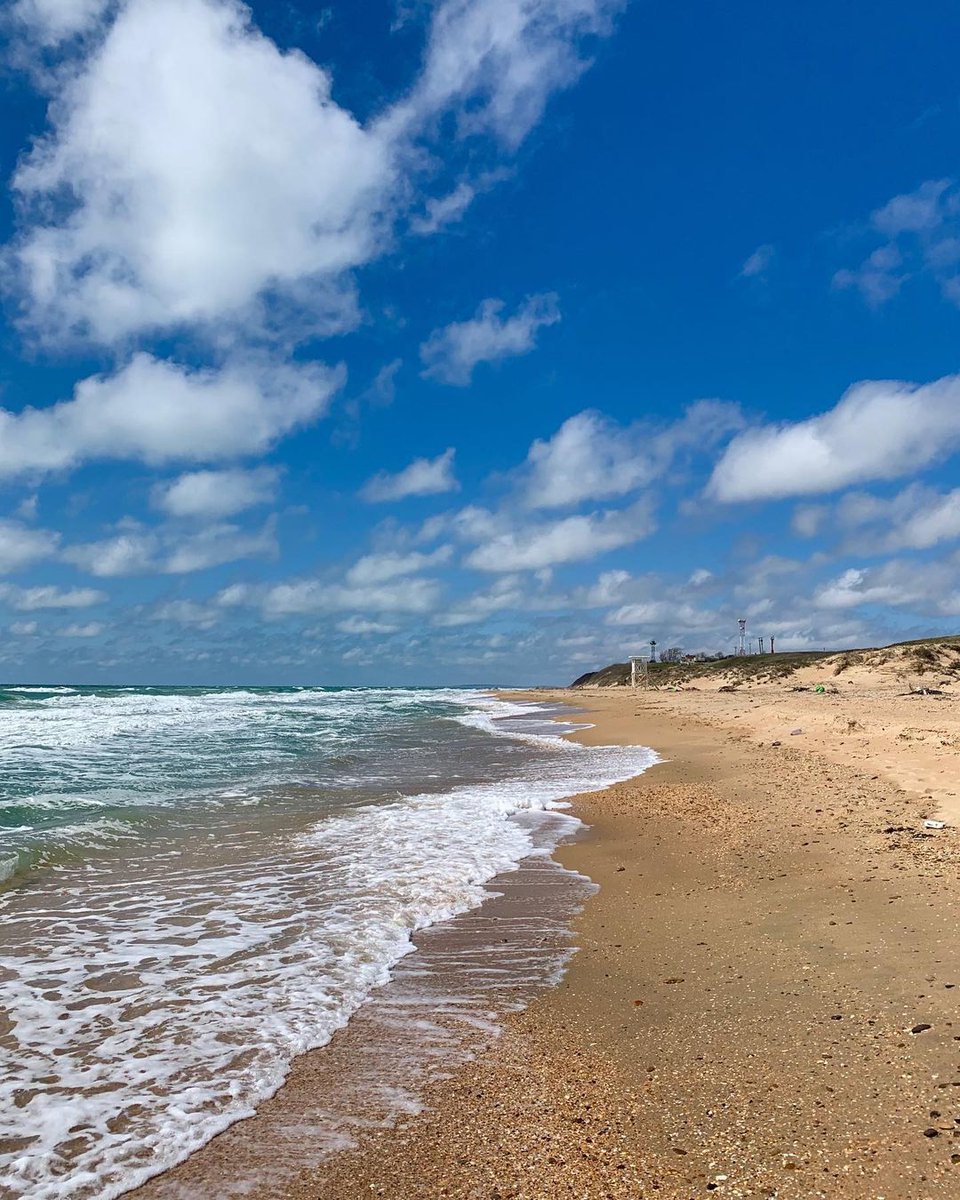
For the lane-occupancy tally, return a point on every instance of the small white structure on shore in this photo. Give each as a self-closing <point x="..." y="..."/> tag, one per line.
<point x="639" y="674"/>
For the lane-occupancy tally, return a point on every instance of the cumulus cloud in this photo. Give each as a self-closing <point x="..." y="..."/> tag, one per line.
<point x="213" y="494"/>
<point x="591" y="457"/>
<point x="930" y="587"/>
<point x="921" y="520"/>
<point x="124" y="554"/>
<point x="171" y="552"/>
<point x="531" y="546"/>
<point x="378" y="568"/>
<point x="362" y="626"/>
<point x="24" y="628"/>
<point x="608" y="589"/>
<point x="206" y="167"/>
<point x="504" y="594"/>
<point x="89" y="630"/>
<point x="51" y="22"/>
<point x="414" y="595"/>
<point x="161" y="412"/>
<point x="208" y="173"/>
<point x="423" y="477"/>
<point x="32" y="599"/>
<point x="215" y="546"/>
<point x="915" y="518"/>
<point x="878" y="430"/>
<point x="187" y="612"/>
<point x="21" y="547"/>
<point x="450" y="354"/>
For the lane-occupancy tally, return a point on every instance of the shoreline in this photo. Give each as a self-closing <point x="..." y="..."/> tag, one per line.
<point x="738" y="1019"/>
<point x="444" y="1003"/>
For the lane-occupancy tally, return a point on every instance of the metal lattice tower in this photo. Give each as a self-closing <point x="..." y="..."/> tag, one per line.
<point x="742" y="641"/>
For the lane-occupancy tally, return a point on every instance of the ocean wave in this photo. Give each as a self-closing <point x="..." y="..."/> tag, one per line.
<point x="167" y="996"/>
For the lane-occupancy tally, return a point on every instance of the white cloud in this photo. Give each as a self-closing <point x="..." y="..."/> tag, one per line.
<point x="441" y="211"/>
<point x="91" y="629"/>
<point x="921" y="232"/>
<point x="933" y="520"/>
<point x="24" y="628"/>
<point x="236" y="595"/>
<point x="383" y="390"/>
<point x="53" y="21"/>
<point x="668" y="612"/>
<point x="878" y="430"/>
<point x="423" y="477"/>
<point x="27" y="509"/>
<point x="361" y="626"/>
<point x="591" y="457"/>
<point x="217" y="545"/>
<point x="378" y="568"/>
<point x="212" y="494"/>
<point x="913" y="212"/>
<point x="21" y="547"/>
<point x="916" y="518"/>
<point x="444" y="210"/>
<point x="160" y="412"/>
<point x="759" y="262"/>
<point x="450" y="354"/>
<point x="125" y="554"/>
<point x="496" y="62"/>
<point x="571" y="539"/>
<point x="207" y="171"/>
<point x="169" y="552"/>
<point x="931" y="587"/>
<point x="807" y="519"/>
<point x="608" y="589"/>
<point x="186" y="612"/>
<point x="207" y="167"/>
<point x="878" y="278"/>
<point x="313" y="596"/>
<point x="503" y="594"/>
<point x="34" y="598"/>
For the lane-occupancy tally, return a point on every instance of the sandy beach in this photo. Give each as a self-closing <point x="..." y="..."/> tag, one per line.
<point x="765" y="998"/>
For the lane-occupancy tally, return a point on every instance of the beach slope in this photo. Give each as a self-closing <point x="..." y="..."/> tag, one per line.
<point x="765" y="999"/>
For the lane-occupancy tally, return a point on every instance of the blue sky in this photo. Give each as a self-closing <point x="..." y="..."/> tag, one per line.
<point x="473" y="341"/>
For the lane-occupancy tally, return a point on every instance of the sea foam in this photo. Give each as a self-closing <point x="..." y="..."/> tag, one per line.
<point x="158" y="997"/>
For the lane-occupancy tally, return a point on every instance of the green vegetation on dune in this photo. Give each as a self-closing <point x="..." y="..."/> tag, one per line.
<point x="753" y="667"/>
<point x="925" y="655"/>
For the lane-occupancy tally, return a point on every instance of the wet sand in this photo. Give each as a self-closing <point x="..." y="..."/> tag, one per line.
<point x="765" y="1002"/>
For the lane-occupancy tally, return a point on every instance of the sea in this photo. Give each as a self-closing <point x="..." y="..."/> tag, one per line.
<point x="201" y="885"/>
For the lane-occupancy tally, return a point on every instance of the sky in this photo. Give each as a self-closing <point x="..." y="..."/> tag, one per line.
<point x="473" y="341"/>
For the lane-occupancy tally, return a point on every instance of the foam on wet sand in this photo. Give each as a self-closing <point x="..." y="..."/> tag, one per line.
<point x="771" y="926"/>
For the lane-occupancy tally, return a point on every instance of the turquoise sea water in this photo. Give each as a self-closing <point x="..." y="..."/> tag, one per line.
<point x="203" y="883"/>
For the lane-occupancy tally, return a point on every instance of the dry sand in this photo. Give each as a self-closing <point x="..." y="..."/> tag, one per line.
<point x="765" y="1001"/>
